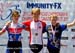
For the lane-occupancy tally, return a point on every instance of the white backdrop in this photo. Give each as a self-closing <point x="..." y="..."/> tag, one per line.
<point x="65" y="9"/>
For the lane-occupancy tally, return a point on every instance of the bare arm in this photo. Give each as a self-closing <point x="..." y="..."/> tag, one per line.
<point x="71" y="24"/>
<point x="64" y="45"/>
<point x="4" y="28"/>
<point x="1" y="32"/>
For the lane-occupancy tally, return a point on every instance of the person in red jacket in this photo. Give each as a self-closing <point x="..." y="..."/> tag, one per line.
<point x="36" y="28"/>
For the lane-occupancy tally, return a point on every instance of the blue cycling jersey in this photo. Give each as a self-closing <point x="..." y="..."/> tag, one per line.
<point x="54" y="36"/>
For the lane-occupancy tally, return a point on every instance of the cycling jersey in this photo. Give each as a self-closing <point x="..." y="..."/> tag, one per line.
<point x="54" y="39"/>
<point x="14" y="31"/>
<point x="14" y="34"/>
<point x="36" y="29"/>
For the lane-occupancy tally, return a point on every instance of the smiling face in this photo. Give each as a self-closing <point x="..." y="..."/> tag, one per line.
<point x="53" y="19"/>
<point x="35" y="13"/>
<point x="15" y="16"/>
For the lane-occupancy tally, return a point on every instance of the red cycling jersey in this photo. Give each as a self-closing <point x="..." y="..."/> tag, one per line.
<point x="36" y="29"/>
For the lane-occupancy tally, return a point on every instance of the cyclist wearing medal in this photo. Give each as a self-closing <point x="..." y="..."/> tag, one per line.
<point x="36" y="28"/>
<point x="14" y="30"/>
<point x="54" y="32"/>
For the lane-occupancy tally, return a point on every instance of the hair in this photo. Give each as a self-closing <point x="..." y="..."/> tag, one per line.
<point x="53" y="16"/>
<point x="15" y="13"/>
<point x="35" y="10"/>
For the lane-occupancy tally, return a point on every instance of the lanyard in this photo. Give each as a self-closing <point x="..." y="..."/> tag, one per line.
<point x="37" y="25"/>
<point x="53" y="33"/>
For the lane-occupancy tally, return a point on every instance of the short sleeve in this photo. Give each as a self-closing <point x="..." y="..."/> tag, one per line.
<point x="44" y="26"/>
<point x="26" y="25"/>
<point x="63" y="27"/>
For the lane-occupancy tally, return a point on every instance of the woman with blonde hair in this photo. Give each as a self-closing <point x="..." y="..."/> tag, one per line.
<point x="54" y="32"/>
<point x="36" y="28"/>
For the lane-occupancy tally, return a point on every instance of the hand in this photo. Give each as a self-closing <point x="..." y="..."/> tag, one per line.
<point x="71" y="24"/>
<point x="64" y="45"/>
<point x="8" y="23"/>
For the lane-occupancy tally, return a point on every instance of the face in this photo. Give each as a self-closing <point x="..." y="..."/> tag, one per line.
<point x="15" y="18"/>
<point x="35" y="14"/>
<point x="53" y="21"/>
